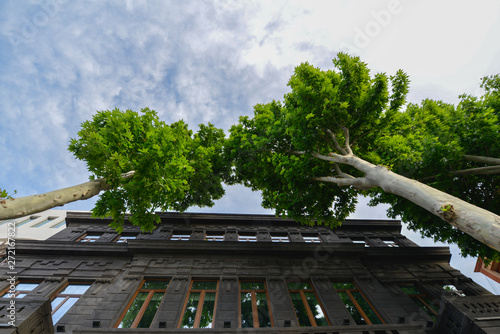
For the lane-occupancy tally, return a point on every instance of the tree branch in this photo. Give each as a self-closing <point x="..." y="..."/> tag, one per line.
<point x="23" y="206"/>
<point x="478" y="158"/>
<point x="360" y="183"/>
<point x="478" y="170"/>
<point x="347" y="145"/>
<point x="336" y="142"/>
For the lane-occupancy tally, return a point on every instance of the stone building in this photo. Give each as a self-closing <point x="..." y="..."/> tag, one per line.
<point x="238" y="274"/>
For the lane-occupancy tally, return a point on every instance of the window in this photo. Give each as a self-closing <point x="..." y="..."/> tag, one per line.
<point x="142" y="310"/>
<point x="254" y="305"/>
<point x="307" y="308"/>
<point x="247" y="237"/>
<point x="421" y="299"/>
<point x="125" y="238"/>
<point x="311" y="238"/>
<point x="90" y="237"/>
<point x="390" y="243"/>
<point x="279" y="238"/>
<point x="22" y="222"/>
<point x="21" y="290"/>
<point x="214" y="236"/>
<point x="199" y="309"/>
<point x="180" y="236"/>
<point x="61" y="223"/>
<point x="360" y="241"/>
<point x="355" y="302"/>
<point x="66" y="298"/>
<point x="43" y="222"/>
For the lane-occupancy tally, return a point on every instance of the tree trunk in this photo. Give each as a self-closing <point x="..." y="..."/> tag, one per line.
<point x="481" y="224"/>
<point x="23" y="206"/>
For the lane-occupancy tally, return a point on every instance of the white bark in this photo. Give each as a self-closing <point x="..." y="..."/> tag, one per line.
<point x="481" y="224"/>
<point x="23" y="206"/>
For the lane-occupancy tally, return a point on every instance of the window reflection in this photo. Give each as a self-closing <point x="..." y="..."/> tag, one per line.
<point x="307" y="307"/>
<point x="142" y="310"/>
<point x="254" y="305"/>
<point x="200" y="305"/>
<point x="66" y="298"/>
<point x="359" y="308"/>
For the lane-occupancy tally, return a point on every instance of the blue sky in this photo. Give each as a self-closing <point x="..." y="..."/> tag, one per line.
<point x="203" y="61"/>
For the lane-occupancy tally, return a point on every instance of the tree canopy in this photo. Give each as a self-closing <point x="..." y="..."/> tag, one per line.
<point x="335" y="125"/>
<point x="451" y="148"/>
<point x="139" y="165"/>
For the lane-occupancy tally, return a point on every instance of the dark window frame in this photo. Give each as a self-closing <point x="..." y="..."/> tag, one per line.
<point x="145" y="304"/>
<point x="67" y="296"/>
<point x="303" y="297"/>
<point x="349" y="291"/>
<point x="255" y="313"/>
<point x="199" y="308"/>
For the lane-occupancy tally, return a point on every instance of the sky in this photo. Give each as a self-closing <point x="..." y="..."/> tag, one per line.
<point x="212" y="61"/>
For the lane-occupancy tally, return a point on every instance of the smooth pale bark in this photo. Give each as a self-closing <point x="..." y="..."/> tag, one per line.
<point x="23" y="206"/>
<point x="481" y="224"/>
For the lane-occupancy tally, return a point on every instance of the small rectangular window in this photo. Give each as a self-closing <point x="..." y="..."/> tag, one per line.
<point x="279" y="237"/>
<point x="421" y="299"/>
<point x="390" y="243"/>
<point x="21" y="289"/>
<point x="89" y="237"/>
<point x="199" y="309"/>
<point x="26" y="221"/>
<point x="360" y="241"/>
<point x="61" y="223"/>
<point x="307" y="307"/>
<point x="44" y="222"/>
<point x="66" y="298"/>
<point x="254" y="305"/>
<point x="214" y="236"/>
<point x="311" y="238"/>
<point x="355" y="302"/>
<point x="247" y="237"/>
<point x="142" y="310"/>
<point x="125" y="238"/>
<point x="184" y="236"/>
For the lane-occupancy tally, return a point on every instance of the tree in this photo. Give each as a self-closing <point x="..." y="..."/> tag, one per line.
<point x="140" y="164"/>
<point x="448" y="148"/>
<point x="310" y="153"/>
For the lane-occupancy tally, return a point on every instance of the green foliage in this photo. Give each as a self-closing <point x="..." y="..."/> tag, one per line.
<point x="174" y="169"/>
<point x="264" y="148"/>
<point x="5" y="195"/>
<point x="428" y="143"/>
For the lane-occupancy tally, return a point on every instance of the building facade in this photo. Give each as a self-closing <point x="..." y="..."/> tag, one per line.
<point x="238" y="273"/>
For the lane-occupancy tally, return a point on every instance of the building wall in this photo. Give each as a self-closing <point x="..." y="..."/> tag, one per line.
<point x="371" y="254"/>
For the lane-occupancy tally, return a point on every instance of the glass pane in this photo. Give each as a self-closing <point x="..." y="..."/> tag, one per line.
<point x="190" y="313"/>
<point x="21" y="295"/>
<point x="316" y="309"/>
<point x="155" y="285"/>
<point x="263" y="309"/>
<point x="344" y="285"/>
<point x="26" y="286"/>
<point x="204" y="285"/>
<point x="410" y="289"/>
<point x="349" y="305"/>
<point x="56" y="301"/>
<point x="299" y="286"/>
<point x="133" y="310"/>
<point x="366" y="308"/>
<point x="246" y="310"/>
<point x="207" y="313"/>
<point x="425" y="308"/>
<point x="300" y="309"/>
<point x="63" y="309"/>
<point x="75" y="289"/>
<point x="151" y="309"/>
<point x="252" y="285"/>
